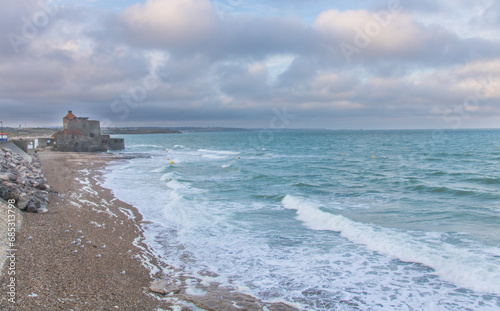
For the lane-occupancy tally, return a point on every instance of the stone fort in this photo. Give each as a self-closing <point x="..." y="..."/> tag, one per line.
<point x="84" y="135"/>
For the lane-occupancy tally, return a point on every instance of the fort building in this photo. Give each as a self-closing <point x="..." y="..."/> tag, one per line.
<point x="84" y="135"/>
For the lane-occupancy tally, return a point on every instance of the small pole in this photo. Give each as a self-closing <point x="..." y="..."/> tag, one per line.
<point x="1" y="122"/>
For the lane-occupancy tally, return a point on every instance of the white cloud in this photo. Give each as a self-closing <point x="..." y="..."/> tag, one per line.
<point x="174" y="21"/>
<point x="372" y="33"/>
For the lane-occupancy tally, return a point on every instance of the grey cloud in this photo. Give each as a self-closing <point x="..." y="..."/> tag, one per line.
<point x="216" y="77"/>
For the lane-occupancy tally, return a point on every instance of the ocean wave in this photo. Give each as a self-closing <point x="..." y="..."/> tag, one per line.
<point x="274" y="197"/>
<point x="476" y="269"/>
<point x="485" y="180"/>
<point x="305" y="185"/>
<point x="218" y="151"/>
<point x="214" y="156"/>
<point x="159" y="170"/>
<point x="449" y="190"/>
<point x="145" y="146"/>
<point x="169" y="176"/>
<point x="176" y="185"/>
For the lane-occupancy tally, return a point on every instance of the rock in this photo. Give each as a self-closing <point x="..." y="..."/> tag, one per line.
<point x="32" y="206"/>
<point x="42" y="209"/>
<point x="5" y="192"/>
<point x="164" y="287"/>
<point x="22" y="201"/>
<point x="8" y="184"/>
<point x="12" y="177"/>
<point x="5" y="176"/>
<point x="24" y="182"/>
<point x="45" y="187"/>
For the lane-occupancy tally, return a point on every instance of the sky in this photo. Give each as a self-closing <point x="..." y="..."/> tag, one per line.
<point x="370" y="64"/>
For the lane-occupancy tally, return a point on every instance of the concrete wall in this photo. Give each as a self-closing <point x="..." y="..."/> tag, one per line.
<point x="12" y="147"/>
<point x="46" y="142"/>
<point x="79" y="144"/>
<point x="90" y="128"/>
<point x="116" y="144"/>
<point x="27" y="145"/>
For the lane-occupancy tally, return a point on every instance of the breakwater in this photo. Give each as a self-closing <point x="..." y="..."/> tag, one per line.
<point x="23" y="180"/>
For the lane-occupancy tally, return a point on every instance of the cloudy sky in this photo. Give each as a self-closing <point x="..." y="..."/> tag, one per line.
<point x="278" y="63"/>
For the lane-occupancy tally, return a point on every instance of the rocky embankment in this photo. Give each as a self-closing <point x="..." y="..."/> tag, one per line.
<point x="23" y="181"/>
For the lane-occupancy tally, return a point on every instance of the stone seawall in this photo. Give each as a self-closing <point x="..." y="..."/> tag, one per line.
<point x="23" y="181"/>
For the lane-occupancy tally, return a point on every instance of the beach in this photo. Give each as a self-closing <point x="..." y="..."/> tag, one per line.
<point x="87" y="252"/>
<point x="79" y="255"/>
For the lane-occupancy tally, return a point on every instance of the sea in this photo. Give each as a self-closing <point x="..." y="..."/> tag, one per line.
<point x="323" y="219"/>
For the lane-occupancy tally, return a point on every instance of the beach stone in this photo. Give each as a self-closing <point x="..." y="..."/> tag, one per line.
<point x="12" y="177"/>
<point x="33" y="205"/>
<point x="8" y="184"/>
<point x="4" y="176"/>
<point x="4" y="192"/>
<point x="44" y="186"/>
<point x="22" y="201"/>
<point x="164" y="287"/>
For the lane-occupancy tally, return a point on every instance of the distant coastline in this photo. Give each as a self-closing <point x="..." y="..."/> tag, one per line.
<point x="163" y="130"/>
<point x="140" y="130"/>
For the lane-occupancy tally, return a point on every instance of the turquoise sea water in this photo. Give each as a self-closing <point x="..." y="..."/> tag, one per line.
<point x="328" y="220"/>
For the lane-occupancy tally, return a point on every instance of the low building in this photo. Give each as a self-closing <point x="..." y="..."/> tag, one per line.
<point x="84" y="135"/>
<point x="45" y="142"/>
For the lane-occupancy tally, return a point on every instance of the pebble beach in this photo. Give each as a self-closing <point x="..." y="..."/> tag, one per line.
<point x="87" y="252"/>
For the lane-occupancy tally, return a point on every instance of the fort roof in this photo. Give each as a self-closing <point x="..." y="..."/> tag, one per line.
<point x="70" y="115"/>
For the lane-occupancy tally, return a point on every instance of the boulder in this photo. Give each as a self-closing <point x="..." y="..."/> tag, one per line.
<point x="4" y="192"/>
<point x="12" y="177"/>
<point x="24" y="182"/>
<point x="5" y="176"/>
<point x="33" y="205"/>
<point x="43" y="186"/>
<point x="23" y="201"/>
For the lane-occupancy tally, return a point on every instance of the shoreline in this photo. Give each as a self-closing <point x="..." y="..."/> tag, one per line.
<point x="89" y="252"/>
<point x="80" y="254"/>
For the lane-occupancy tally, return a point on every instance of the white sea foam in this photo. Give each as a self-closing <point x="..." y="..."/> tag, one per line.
<point x="175" y="185"/>
<point x="214" y="156"/>
<point x="217" y="151"/>
<point x="192" y="290"/>
<point x="169" y="176"/>
<point x="159" y="170"/>
<point x="479" y="270"/>
<point x="140" y="146"/>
